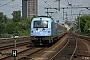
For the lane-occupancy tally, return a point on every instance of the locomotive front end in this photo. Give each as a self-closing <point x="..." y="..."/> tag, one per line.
<point x="40" y="30"/>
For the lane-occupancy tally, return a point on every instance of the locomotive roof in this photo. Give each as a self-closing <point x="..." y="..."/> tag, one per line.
<point x="45" y="16"/>
<point x="42" y="18"/>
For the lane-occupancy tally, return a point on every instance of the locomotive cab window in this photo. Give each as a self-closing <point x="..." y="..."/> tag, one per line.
<point x="40" y="24"/>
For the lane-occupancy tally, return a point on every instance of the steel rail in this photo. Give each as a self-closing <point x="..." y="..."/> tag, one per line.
<point x="23" y="54"/>
<point x="71" y="46"/>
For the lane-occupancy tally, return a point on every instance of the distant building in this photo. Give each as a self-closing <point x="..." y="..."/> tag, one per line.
<point x="29" y="8"/>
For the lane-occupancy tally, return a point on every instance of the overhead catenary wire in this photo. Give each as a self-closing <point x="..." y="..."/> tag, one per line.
<point x="11" y="5"/>
<point x="51" y="6"/>
<point x="6" y="4"/>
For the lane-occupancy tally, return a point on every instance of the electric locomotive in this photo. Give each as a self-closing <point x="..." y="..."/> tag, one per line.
<point x="44" y="31"/>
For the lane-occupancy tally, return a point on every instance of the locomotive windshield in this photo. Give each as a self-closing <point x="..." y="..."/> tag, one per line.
<point x="40" y="24"/>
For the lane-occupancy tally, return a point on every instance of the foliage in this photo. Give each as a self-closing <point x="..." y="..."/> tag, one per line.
<point x="15" y="26"/>
<point x="85" y="24"/>
<point x="16" y="16"/>
<point x="18" y="28"/>
<point x="2" y="28"/>
<point x="3" y="18"/>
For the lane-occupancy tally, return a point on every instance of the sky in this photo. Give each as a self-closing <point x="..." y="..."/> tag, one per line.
<point x="15" y="5"/>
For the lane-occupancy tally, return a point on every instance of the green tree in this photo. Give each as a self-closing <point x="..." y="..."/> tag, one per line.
<point x="2" y="28"/>
<point x="9" y="27"/>
<point x="85" y="24"/>
<point x="3" y="18"/>
<point x="16" y="16"/>
<point x="16" y="26"/>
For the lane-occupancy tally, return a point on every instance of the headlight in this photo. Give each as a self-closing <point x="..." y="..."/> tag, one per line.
<point x="48" y="32"/>
<point x="31" y="31"/>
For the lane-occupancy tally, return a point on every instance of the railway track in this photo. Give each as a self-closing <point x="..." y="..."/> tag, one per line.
<point x="36" y="53"/>
<point x="83" y="48"/>
<point x="23" y="54"/>
<point x="64" y="49"/>
<point x="28" y="53"/>
<point x="82" y="37"/>
<point x="67" y="52"/>
<point x="7" y="45"/>
<point x="12" y="45"/>
<point x="46" y="53"/>
<point x="7" y="50"/>
<point x="9" y="41"/>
